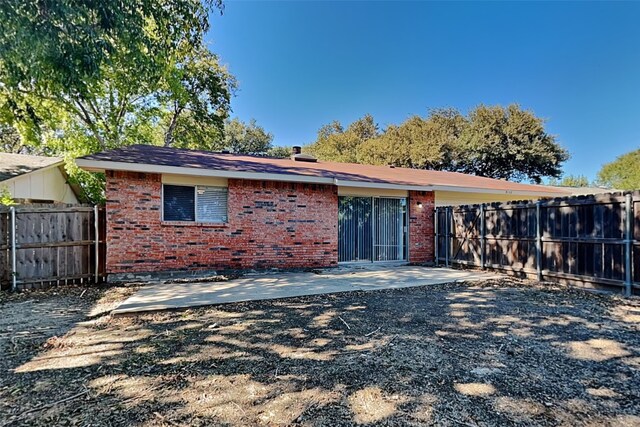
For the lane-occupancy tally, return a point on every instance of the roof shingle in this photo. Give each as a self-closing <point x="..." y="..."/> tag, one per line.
<point x="12" y="165"/>
<point x="164" y="156"/>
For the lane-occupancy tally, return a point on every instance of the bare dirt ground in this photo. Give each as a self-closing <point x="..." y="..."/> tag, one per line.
<point x="502" y="352"/>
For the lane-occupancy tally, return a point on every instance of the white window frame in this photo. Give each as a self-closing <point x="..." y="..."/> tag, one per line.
<point x="195" y="202"/>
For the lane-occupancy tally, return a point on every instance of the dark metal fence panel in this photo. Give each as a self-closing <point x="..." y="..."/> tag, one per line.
<point x="584" y="239"/>
<point x="636" y="240"/>
<point x="50" y="245"/>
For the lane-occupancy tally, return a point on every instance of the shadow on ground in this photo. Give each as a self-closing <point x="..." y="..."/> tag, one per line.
<point x="497" y="352"/>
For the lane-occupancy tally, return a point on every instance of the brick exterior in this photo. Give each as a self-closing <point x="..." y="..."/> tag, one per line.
<point x="421" y="227"/>
<point x="271" y="224"/>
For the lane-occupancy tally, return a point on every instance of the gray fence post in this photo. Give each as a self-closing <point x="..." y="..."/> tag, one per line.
<point x="447" y="225"/>
<point x="628" y="240"/>
<point x="538" y="242"/>
<point x="14" y="284"/>
<point x="483" y="240"/>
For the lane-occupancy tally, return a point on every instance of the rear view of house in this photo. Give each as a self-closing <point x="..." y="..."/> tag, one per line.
<point x="181" y="210"/>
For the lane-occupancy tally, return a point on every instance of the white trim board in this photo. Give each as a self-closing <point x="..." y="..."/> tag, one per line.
<point x="102" y="165"/>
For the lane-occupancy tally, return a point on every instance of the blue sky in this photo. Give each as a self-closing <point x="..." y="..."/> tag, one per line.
<point x="302" y="64"/>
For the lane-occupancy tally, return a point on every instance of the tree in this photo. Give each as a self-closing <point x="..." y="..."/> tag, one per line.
<point x="421" y="143"/>
<point x="338" y="144"/>
<point x="243" y="138"/>
<point x="496" y="142"/>
<point x="509" y="143"/>
<point x="81" y="77"/>
<point x="198" y="94"/>
<point x="65" y="46"/>
<point x="623" y="173"/>
<point x="280" y="152"/>
<point x="570" y="181"/>
<point x="10" y="141"/>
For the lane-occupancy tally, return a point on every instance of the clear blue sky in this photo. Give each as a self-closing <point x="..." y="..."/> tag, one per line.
<point x="302" y="64"/>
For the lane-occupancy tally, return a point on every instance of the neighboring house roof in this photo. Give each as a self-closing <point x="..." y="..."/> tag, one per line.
<point x="154" y="159"/>
<point x="13" y="165"/>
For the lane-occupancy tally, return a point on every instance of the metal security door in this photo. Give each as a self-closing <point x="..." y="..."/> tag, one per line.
<point x="354" y="229"/>
<point x="389" y="229"/>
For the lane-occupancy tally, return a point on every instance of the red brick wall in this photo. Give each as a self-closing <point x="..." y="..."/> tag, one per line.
<point x="421" y="227"/>
<point x="271" y="224"/>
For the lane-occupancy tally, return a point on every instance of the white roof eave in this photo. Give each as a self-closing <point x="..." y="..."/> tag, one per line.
<point x="102" y="165"/>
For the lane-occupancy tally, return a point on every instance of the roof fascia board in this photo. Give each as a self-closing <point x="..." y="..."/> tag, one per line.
<point x="102" y="165"/>
<point x="364" y="184"/>
<point x="383" y="185"/>
<point x="457" y="189"/>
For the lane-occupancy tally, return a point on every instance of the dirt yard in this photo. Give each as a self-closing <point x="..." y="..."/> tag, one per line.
<point x="496" y="353"/>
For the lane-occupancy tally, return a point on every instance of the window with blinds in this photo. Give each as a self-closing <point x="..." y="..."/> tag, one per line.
<point x="194" y="203"/>
<point x="211" y="204"/>
<point x="179" y="203"/>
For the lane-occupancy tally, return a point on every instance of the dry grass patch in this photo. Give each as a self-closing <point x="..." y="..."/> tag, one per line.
<point x="486" y="353"/>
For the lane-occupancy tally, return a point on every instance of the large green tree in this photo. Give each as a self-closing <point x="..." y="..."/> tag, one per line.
<point x="623" y="173"/>
<point x="79" y="77"/>
<point x="54" y="47"/>
<point x="509" y="143"/>
<point x="338" y="144"/>
<point x="422" y="143"/>
<point x="246" y="138"/>
<point x="197" y="93"/>
<point x="250" y="138"/>
<point x="496" y="142"/>
<point x="570" y="181"/>
<point x="145" y="64"/>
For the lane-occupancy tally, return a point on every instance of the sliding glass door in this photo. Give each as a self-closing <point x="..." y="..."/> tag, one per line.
<point x="354" y="229"/>
<point x="372" y="229"/>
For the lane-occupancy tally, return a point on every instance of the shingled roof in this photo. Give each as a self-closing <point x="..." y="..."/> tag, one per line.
<point x="12" y="165"/>
<point x="147" y="158"/>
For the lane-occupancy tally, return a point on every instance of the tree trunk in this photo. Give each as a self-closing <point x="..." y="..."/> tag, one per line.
<point x="168" y="136"/>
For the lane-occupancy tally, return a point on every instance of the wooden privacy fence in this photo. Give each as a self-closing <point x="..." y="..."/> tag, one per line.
<point x="51" y="244"/>
<point x="593" y="241"/>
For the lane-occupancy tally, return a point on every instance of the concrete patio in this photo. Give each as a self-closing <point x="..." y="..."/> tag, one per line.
<point x="371" y="277"/>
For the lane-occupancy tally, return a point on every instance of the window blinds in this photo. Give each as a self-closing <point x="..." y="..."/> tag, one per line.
<point x="179" y="203"/>
<point x="194" y="203"/>
<point x="211" y="204"/>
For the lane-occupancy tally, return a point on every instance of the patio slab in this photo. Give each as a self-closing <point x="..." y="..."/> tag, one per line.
<point x="167" y="296"/>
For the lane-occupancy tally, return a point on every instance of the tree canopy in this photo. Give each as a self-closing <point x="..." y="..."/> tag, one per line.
<point x="80" y="77"/>
<point x="417" y="143"/>
<point x="65" y="46"/>
<point x="338" y="144"/>
<point x="570" y="181"/>
<point x="246" y="138"/>
<point x="491" y="141"/>
<point x="623" y="173"/>
<point x="99" y="75"/>
<point x="250" y="138"/>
